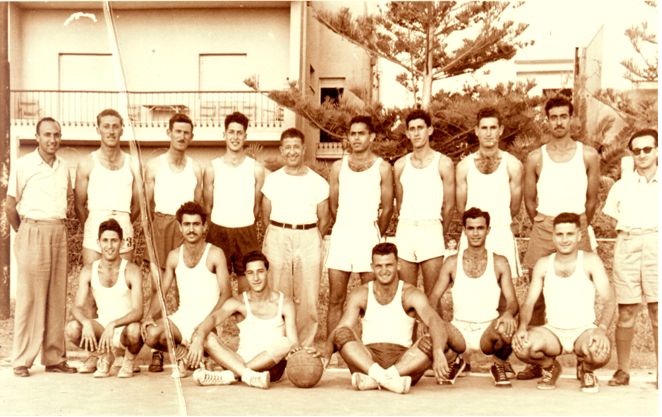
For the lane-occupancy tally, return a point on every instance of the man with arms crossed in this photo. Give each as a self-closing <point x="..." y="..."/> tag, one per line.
<point x="561" y="176"/>
<point x="569" y="279"/>
<point x="267" y="333"/>
<point x="232" y="193"/>
<point x="425" y="197"/>
<point x="36" y="207"/>
<point x="358" y="184"/>
<point x="295" y="213"/>
<point x="116" y="286"/>
<point x="202" y="279"/>
<point x="170" y="180"/>
<point x="632" y="203"/>
<point x="479" y="278"/>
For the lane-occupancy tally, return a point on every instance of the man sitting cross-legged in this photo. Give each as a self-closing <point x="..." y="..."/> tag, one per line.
<point x="203" y="283"/>
<point x="385" y="355"/>
<point x="479" y="277"/>
<point x="116" y="287"/>
<point x="267" y="332"/>
<point x="568" y="279"/>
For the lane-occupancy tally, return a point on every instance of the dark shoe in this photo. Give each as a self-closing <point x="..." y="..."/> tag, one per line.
<point x="467" y="370"/>
<point x="550" y="376"/>
<point x="530" y="372"/>
<point x="589" y="382"/>
<point x="499" y="375"/>
<point x="21" y="371"/>
<point x="456" y="369"/>
<point x="62" y="367"/>
<point x="157" y="362"/>
<point x="620" y="378"/>
<point x="510" y="373"/>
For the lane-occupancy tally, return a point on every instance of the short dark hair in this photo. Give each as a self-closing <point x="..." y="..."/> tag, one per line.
<point x="50" y="119"/>
<point x="642" y="133"/>
<point x="385" y="248"/>
<point x="486" y="113"/>
<point x="253" y="256"/>
<point x="558" y="101"/>
<point x="366" y="120"/>
<point x="292" y="132"/>
<point x="474" y="213"/>
<point x="236" y="117"/>
<point x="419" y="114"/>
<point x="179" y="118"/>
<point x="567" y="218"/>
<point x="113" y="226"/>
<point x="191" y="207"/>
<point x="109" y="112"/>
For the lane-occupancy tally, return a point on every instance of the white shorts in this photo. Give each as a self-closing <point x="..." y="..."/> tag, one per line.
<point x="472" y="333"/>
<point x="186" y="322"/>
<point x="96" y="217"/>
<point x="500" y="240"/>
<point x="116" y="336"/>
<point x="568" y="337"/>
<point x="420" y="240"/>
<point x="351" y="246"/>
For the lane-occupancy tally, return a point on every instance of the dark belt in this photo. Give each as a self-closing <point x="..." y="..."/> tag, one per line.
<point x="294" y="226"/>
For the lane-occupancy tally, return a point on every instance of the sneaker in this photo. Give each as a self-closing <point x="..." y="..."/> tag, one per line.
<point x="103" y="366"/>
<point x="179" y="371"/>
<point x="499" y="375"/>
<point x="589" y="382"/>
<point x="530" y="372"/>
<point x="126" y="371"/>
<point x="204" y="377"/>
<point x="550" y="376"/>
<point x="399" y="385"/>
<point x="456" y="369"/>
<point x="260" y="380"/>
<point x="620" y="378"/>
<point x="510" y="372"/>
<point x="89" y="366"/>
<point x="157" y="362"/>
<point x="363" y="382"/>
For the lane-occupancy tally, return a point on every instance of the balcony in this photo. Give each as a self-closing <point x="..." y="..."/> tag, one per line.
<point x="329" y="150"/>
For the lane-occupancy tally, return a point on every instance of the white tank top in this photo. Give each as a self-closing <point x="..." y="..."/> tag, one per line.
<point x="490" y="192"/>
<point x="167" y="201"/>
<point x="110" y="190"/>
<point x="475" y="299"/>
<point x="423" y="191"/>
<point x="359" y="192"/>
<point x="255" y="332"/>
<point x="114" y="302"/>
<point x="234" y="194"/>
<point x="562" y="186"/>
<point x="198" y="287"/>
<point x="389" y="323"/>
<point x="570" y="301"/>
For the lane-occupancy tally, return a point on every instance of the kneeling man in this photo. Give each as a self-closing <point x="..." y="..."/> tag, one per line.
<point x="116" y="287"/>
<point x="568" y="280"/>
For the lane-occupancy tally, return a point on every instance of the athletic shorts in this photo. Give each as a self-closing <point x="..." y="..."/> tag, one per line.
<point x="186" y="322"/>
<point x="386" y="355"/>
<point x="96" y="217"/>
<point x="540" y="243"/>
<point x="500" y="240"/>
<point x="351" y="246"/>
<point x="472" y="333"/>
<point x="116" y="336"/>
<point x="635" y="268"/>
<point x="167" y="237"/>
<point x="235" y="242"/>
<point x="568" y="337"/>
<point x="420" y="240"/>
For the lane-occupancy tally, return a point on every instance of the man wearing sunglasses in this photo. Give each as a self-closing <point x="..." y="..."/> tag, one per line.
<point x="632" y="203"/>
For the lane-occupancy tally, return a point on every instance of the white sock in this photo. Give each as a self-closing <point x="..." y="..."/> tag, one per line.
<point x="393" y="372"/>
<point x="377" y="372"/>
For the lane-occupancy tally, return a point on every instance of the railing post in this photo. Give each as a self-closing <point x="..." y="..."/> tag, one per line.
<point x="5" y="149"/>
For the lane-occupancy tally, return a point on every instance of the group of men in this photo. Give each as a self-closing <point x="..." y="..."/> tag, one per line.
<point x="276" y="308"/>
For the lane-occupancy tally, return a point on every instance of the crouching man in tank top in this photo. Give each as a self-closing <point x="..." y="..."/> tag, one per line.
<point x="267" y="333"/>
<point x="479" y="278"/>
<point x="116" y="286"/>
<point x="568" y="279"/>
<point x="202" y="279"/>
<point x="385" y="355"/>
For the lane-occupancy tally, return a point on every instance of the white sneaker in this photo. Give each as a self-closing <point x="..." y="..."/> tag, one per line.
<point x="363" y="382"/>
<point x="204" y="377"/>
<point x="179" y="371"/>
<point x="259" y="380"/>
<point x="89" y="366"/>
<point x="399" y="385"/>
<point x="103" y="366"/>
<point x="126" y="371"/>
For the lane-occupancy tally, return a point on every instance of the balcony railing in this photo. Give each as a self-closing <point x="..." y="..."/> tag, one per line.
<point x="145" y="109"/>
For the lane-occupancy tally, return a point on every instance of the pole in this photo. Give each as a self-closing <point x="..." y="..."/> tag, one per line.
<point x="5" y="149"/>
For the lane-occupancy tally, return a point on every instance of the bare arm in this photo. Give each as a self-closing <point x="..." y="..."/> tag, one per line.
<point x="196" y="349"/>
<point x="334" y="188"/>
<point x="447" y="173"/>
<point x="150" y="181"/>
<point x="461" y="189"/>
<point x="88" y="340"/>
<point x="166" y="282"/>
<point x="535" y="288"/>
<point x="135" y="198"/>
<point x="219" y="265"/>
<point x="592" y="161"/>
<point x="259" y="182"/>
<point x="530" y="183"/>
<point x="83" y="170"/>
<point x="502" y="269"/>
<point x="133" y="276"/>
<point x="416" y="298"/>
<point x="208" y="188"/>
<point x="197" y="193"/>
<point x="399" y="190"/>
<point x="386" y="173"/>
<point x="323" y="217"/>
<point x="516" y="175"/>
<point x="355" y="303"/>
<point x="289" y="315"/>
<point x="266" y="213"/>
<point x="444" y="281"/>
<point x="602" y="285"/>
<point x="12" y="213"/>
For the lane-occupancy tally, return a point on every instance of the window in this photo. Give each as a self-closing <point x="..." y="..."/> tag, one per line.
<point x="225" y="72"/>
<point x="331" y="90"/>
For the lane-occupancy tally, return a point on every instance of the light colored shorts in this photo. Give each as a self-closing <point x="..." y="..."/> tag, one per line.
<point x="568" y="337"/>
<point x="96" y="217"/>
<point x="116" y="336"/>
<point x="420" y="240"/>
<point x="635" y="268"/>
<point x="472" y="332"/>
<point x="500" y="240"/>
<point x="351" y="246"/>
<point x="186" y="322"/>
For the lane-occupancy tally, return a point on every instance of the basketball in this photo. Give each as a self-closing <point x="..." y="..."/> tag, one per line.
<point x="304" y="370"/>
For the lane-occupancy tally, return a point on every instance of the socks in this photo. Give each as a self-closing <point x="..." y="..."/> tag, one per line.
<point x="377" y="372"/>
<point x="392" y="372"/>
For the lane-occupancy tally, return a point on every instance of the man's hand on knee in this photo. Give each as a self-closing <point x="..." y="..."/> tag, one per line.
<point x="598" y="347"/>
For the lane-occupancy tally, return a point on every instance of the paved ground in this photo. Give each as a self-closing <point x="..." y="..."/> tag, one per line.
<point x="157" y="394"/>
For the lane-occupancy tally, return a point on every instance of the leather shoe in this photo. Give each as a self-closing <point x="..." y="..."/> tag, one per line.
<point x="61" y="367"/>
<point x="21" y="371"/>
<point x="530" y="372"/>
<point x="620" y="378"/>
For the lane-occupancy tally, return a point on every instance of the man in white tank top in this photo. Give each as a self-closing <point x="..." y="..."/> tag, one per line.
<point x="201" y="276"/>
<point x="386" y="355"/>
<point x="425" y="198"/>
<point x="569" y="279"/>
<point x="106" y="188"/>
<point x="171" y="180"/>
<point x="232" y="194"/>
<point x="358" y="184"/>
<point x="267" y="333"/>
<point x="116" y="286"/>
<point x="480" y="277"/>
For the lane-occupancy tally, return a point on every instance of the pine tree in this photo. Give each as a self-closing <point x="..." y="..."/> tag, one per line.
<point x="644" y="43"/>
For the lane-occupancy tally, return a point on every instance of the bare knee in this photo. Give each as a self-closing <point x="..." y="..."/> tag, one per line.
<point x="210" y="341"/>
<point x="652" y="312"/>
<point x="627" y="314"/>
<point x="132" y="332"/>
<point x="153" y="336"/>
<point x="342" y="336"/>
<point x="74" y="331"/>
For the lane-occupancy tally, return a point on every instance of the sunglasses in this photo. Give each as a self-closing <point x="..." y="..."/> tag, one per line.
<point x="646" y="150"/>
